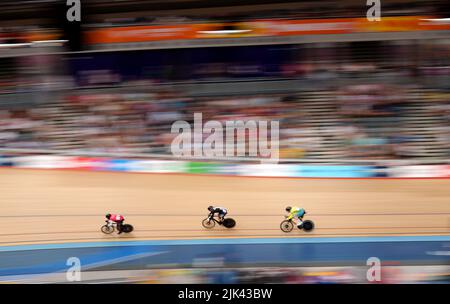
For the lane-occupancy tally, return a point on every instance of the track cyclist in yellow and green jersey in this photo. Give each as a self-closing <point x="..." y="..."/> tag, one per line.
<point x="296" y="213"/>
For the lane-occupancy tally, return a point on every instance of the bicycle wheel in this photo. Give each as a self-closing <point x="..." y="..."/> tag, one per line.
<point x="107" y="229"/>
<point x="286" y="226"/>
<point x="208" y="223"/>
<point x="308" y="225"/>
<point x="229" y="222"/>
<point x="127" y="228"/>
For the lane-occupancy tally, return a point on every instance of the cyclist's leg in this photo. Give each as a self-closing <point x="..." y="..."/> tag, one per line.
<point x="119" y="226"/>
<point x="222" y="215"/>
<point x="299" y="221"/>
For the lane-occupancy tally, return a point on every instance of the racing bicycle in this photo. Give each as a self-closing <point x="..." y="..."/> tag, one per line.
<point x="288" y="225"/>
<point x="111" y="227"/>
<point x="211" y="221"/>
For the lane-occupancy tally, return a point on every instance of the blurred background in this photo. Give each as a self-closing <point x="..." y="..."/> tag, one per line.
<point x="341" y="86"/>
<point x="354" y="98"/>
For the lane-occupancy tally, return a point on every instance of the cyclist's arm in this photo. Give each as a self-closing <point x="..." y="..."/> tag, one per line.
<point x="290" y="216"/>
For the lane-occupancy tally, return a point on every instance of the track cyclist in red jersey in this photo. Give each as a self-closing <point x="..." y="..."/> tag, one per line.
<point x="116" y="218"/>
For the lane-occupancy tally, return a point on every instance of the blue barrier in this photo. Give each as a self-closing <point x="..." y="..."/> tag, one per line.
<point x="124" y="165"/>
<point x="335" y="171"/>
<point x="233" y="252"/>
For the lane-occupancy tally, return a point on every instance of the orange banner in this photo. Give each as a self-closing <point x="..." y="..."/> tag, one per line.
<point x="257" y="28"/>
<point x="400" y="24"/>
<point x="42" y="35"/>
<point x="230" y="30"/>
<point x="140" y="34"/>
<point x="308" y="27"/>
<point x="175" y="32"/>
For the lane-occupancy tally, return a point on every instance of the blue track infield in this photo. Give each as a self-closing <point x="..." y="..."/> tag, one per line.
<point x="48" y="258"/>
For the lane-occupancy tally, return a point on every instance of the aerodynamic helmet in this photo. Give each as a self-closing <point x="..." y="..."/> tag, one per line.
<point x="108" y="216"/>
<point x="288" y="209"/>
<point x="210" y="208"/>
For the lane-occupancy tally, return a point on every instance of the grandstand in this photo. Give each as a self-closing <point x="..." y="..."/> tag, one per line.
<point x="87" y="108"/>
<point x="313" y="125"/>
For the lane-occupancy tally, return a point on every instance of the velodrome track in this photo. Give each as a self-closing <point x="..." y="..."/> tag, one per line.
<point x="58" y="206"/>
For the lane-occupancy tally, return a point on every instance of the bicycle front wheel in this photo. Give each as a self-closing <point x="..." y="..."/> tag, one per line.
<point x="286" y="226"/>
<point x="208" y="223"/>
<point x="107" y="229"/>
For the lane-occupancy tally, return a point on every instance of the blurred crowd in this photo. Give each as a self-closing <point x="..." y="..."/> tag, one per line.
<point x="356" y="121"/>
<point x="299" y="275"/>
<point x="366" y="100"/>
<point x="400" y="274"/>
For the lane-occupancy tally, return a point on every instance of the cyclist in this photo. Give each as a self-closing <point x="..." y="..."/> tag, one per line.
<point x="116" y="218"/>
<point x="220" y="211"/>
<point x="296" y="213"/>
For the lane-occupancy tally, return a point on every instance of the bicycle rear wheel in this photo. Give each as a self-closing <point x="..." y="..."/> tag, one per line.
<point x="127" y="228"/>
<point x="308" y="225"/>
<point x="229" y="222"/>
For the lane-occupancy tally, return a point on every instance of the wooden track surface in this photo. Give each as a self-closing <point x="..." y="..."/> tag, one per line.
<point x="48" y="206"/>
